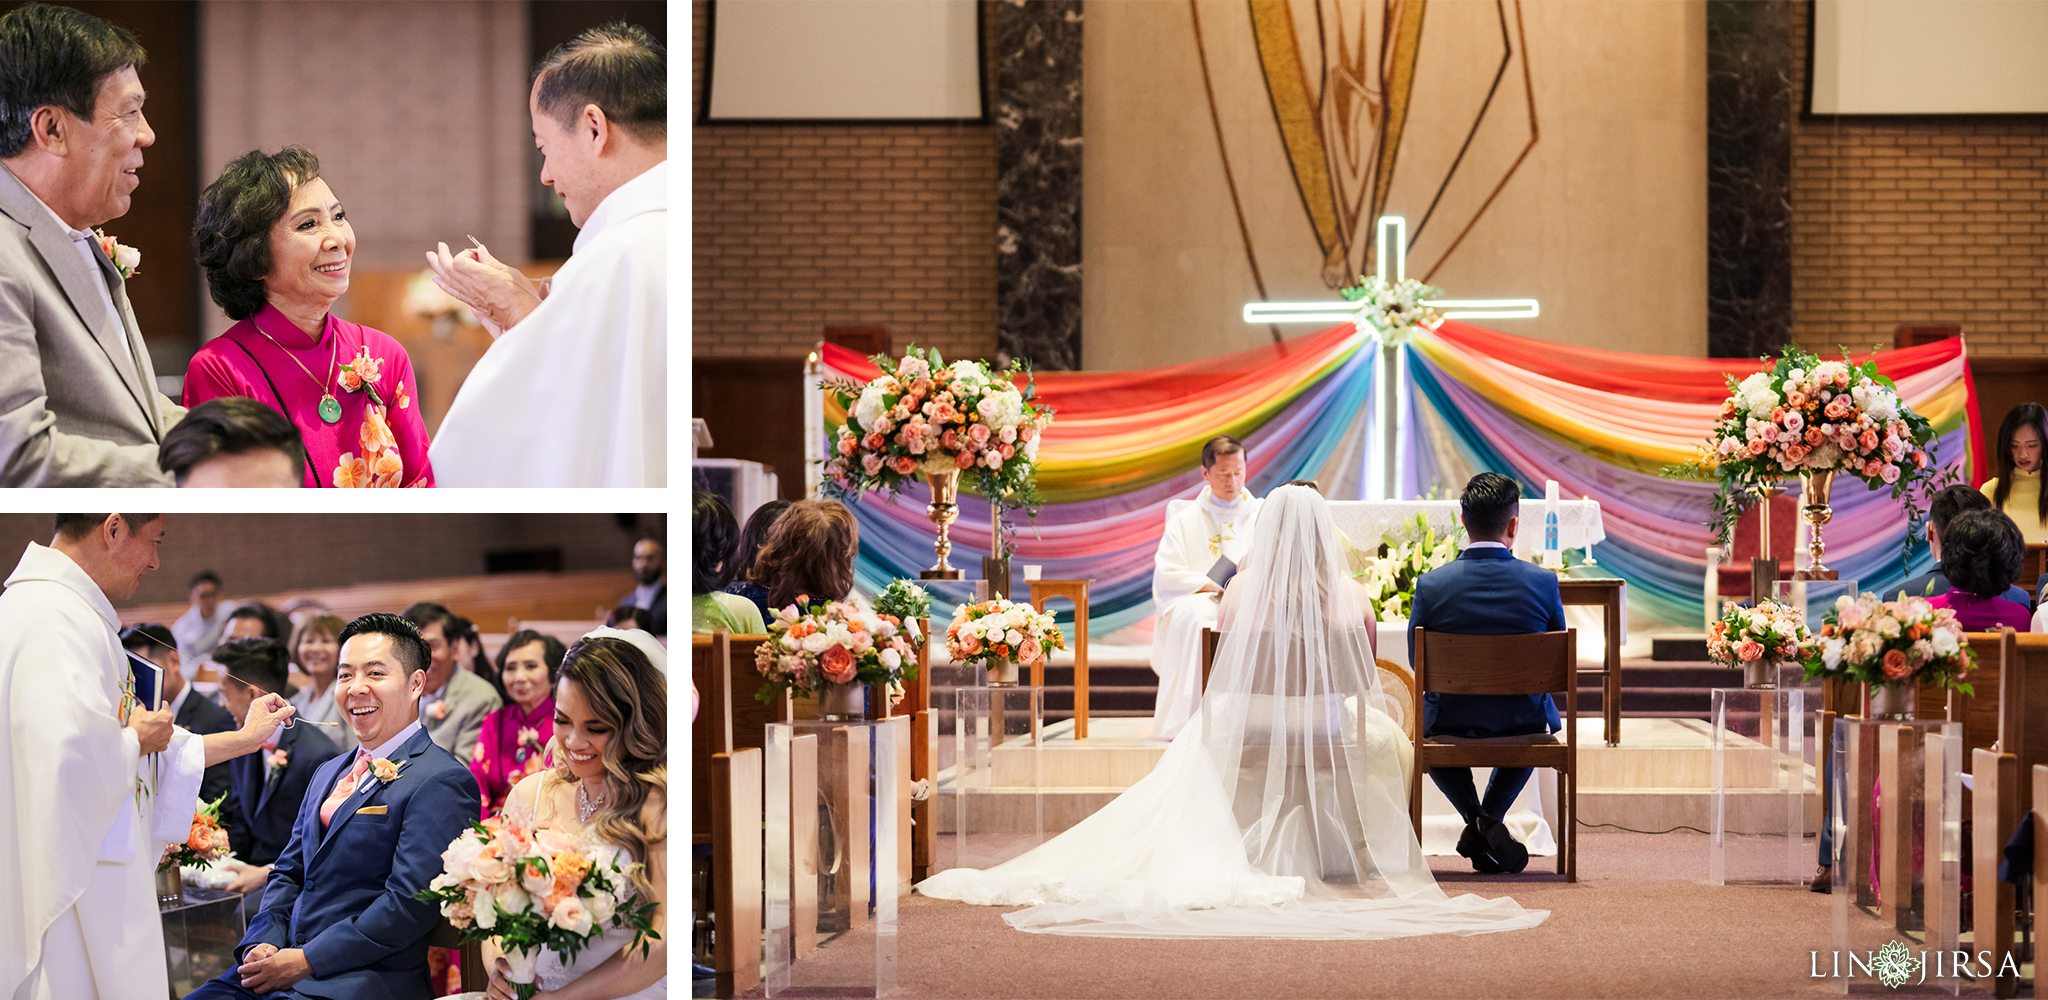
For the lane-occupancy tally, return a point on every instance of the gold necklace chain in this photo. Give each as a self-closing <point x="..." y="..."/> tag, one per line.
<point x="330" y="408"/>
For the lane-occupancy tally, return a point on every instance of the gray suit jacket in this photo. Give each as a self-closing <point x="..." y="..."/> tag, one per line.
<point x="469" y="698"/>
<point x="78" y="398"/>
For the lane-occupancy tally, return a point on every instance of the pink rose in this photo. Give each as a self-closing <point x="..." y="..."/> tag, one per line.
<point x="1028" y="652"/>
<point x="1872" y="468"/>
<point x="963" y="460"/>
<point x="1895" y="664"/>
<point x="871" y="462"/>
<point x="1838" y="408"/>
<point x="1794" y="399"/>
<point x="950" y="440"/>
<point x="970" y="644"/>
<point x="845" y="443"/>
<point x="1852" y="617"/>
<point x="1890" y="473"/>
<point x="837" y="662"/>
<point x="1756" y="448"/>
<point x="1841" y="378"/>
<point x="1768" y="433"/>
<point x="1009" y="451"/>
<point x="1814" y="437"/>
<point x="1794" y="423"/>
<point x="1749" y="650"/>
<point x="978" y="432"/>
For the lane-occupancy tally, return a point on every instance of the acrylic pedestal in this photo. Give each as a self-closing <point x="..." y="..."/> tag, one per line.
<point x="200" y="935"/>
<point x="862" y="775"/>
<point x="1897" y="869"/>
<point x="998" y="776"/>
<point x="1758" y="798"/>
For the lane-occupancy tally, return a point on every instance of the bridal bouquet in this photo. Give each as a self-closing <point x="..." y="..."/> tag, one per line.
<point x="922" y="415"/>
<point x="1890" y="642"/>
<point x="1389" y="578"/>
<point x="1769" y="631"/>
<point x="999" y="632"/>
<point x="1805" y="415"/>
<point x="539" y="889"/>
<point x="831" y="643"/>
<point x="1392" y="313"/>
<point x="206" y="844"/>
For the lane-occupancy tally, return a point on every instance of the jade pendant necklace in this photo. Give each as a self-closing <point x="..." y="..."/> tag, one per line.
<point x="330" y="408"/>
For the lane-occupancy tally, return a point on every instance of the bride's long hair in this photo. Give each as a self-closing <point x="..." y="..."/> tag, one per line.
<point x="627" y="694"/>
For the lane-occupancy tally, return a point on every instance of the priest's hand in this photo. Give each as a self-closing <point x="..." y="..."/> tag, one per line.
<point x="265" y="969"/>
<point x="1209" y="588"/>
<point x="266" y="713"/>
<point x="500" y="294"/>
<point x="153" y="727"/>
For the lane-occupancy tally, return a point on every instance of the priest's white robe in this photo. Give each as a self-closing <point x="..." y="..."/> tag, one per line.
<point x="576" y="394"/>
<point x="1195" y="537"/>
<point x="78" y="841"/>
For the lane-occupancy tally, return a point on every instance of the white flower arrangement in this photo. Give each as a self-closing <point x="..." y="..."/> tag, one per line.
<point x="1389" y="579"/>
<point x="1392" y="313"/>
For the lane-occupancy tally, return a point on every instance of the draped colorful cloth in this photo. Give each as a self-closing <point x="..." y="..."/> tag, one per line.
<point x="1601" y="423"/>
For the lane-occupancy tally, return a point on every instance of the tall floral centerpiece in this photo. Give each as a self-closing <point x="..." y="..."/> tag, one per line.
<point x="833" y="649"/>
<point x="1002" y="636"/>
<point x="1403" y="556"/>
<point x="1814" y="419"/>
<point x="1758" y="639"/>
<point x="1893" y="646"/>
<point x="924" y="417"/>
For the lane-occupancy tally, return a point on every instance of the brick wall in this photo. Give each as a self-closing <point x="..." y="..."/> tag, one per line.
<point x="799" y="227"/>
<point x="1928" y="220"/>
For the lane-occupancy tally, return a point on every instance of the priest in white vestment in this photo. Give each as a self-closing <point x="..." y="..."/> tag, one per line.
<point x="574" y="391"/>
<point x="87" y="803"/>
<point x="1218" y="525"/>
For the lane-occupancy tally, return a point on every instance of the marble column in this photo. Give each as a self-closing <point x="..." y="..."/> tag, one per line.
<point x="1749" y="176"/>
<point x="1037" y="111"/>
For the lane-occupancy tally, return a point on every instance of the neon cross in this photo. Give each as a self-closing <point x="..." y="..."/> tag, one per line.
<point x="1393" y="248"/>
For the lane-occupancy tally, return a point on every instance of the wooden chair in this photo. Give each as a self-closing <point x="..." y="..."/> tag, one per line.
<point x="1535" y="663"/>
<point x="1210" y="640"/>
<point x="1397" y="689"/>
<point x="475" y="977"/>
<point x="917" y="704"/>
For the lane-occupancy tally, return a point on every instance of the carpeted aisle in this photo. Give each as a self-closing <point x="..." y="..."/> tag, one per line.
<point x="1641" y="922"/>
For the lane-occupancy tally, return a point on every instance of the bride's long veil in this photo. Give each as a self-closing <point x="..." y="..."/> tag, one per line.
<point x="1281" y="809"/>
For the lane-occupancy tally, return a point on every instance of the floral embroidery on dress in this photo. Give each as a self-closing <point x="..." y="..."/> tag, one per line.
<point x="379" y="466"/>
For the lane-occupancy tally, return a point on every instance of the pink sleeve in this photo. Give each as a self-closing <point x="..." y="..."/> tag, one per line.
<point x="210" y="376"/>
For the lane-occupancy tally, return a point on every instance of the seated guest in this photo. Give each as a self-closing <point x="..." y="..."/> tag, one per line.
<point x="1217" y="526"/>
<point x="194" y="712"/>
<point x="629" y="617"/>
<point x="1980" y="554"/>
<point x="256" y="620"/>
<point x="809" y="554"/>
<point x="234" y="442"/>
<point x="453" y="706"/>
<point x="200" y="627"/>
<point x="317" y="650"/>
<point x="1487" y="591"/>
<point x="514" y="739"/>
<point x="277" y="249"/>
<point x="650" y="577"/>
<point x="752" y="537"/>
<point x="268" y="787"/>
<point x="711" y="609"/>
<point x="469" y="653"/>
<point x="1947" y="503"/>
<point x="2017" y="490"/>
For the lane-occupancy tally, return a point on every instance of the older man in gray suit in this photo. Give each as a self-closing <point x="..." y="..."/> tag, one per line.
<point x="78" y="398"/>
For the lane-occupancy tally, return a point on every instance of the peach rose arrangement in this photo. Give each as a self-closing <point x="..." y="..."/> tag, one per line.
<point x="813" y="644"/>
<point x="923" y="415"/>
<point x="1891" y="642"/>
<point x="1769" y="631"/>
<point x="204" y="845"/>
<point x="537" y="889"/>
<point x="996" y="632"/>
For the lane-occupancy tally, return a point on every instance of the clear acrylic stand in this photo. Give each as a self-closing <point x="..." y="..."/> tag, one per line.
<point x="998" y="776"/>
<point x="1898" y="854"/>
<point x="861" y="779"/>
<point x="1759" y="787"/>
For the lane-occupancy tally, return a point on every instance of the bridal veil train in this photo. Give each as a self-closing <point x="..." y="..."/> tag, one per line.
<point x="1280" y="810"/>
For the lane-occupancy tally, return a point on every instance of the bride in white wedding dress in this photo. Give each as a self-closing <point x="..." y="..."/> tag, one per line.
<point x="1281" y="810"/>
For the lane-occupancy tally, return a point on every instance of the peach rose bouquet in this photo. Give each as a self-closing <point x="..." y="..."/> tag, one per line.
<point x="204" y="845"/>
<point x="997" y="632"/>
<point x="1769" y="631"/>
<point x="1906" y="641"/>
<point x="537" y="889"/>
<point x="813" y="644"/>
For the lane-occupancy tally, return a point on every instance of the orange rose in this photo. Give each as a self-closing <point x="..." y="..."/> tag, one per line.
<point x="1895" y="664"/>
<point x="837" y="663"/>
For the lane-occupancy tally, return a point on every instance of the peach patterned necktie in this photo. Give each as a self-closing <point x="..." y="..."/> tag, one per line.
<point x="345" y="788"/>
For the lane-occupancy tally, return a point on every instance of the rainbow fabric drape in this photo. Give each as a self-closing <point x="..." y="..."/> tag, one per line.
<point x="1601" y="423"/>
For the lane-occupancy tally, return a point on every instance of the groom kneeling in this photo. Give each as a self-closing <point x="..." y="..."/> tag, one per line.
<point x="1487" y="591"/>
<point x="339" y="919"/>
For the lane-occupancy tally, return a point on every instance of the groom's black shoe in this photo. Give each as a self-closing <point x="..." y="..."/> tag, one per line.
<point x="1472" y="844"/>
<point x="1507" y="854"/>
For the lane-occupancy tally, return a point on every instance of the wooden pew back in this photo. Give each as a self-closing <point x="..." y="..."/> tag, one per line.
<point x="2023" y="704"/>
<point x="1978" y="711"/>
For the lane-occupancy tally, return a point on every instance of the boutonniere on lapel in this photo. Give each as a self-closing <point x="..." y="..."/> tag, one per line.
<point x="385" y="771"/>
<point x="363" y="373"/>
<point x="127" y="259"/>
<point x="279" y="760"/>
<point x="439" y="711"/>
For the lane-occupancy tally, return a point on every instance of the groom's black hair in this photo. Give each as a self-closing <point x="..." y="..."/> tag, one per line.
<point x="405" y="639"/>
<point x="1489" y="502"/>
<point x="55" y="55"/>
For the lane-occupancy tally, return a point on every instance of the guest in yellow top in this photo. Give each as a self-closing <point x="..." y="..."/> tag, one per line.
<point x="2017" y="490"/>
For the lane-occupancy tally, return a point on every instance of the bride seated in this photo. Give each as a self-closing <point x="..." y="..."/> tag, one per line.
<point x="1281" y="809"/>
<point x="611" y="739"/>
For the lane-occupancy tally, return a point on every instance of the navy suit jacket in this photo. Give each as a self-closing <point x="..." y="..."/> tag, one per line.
<point x="262" y="811"/>
<point x="1487" y="592"/>
<point x="344" y="895"/>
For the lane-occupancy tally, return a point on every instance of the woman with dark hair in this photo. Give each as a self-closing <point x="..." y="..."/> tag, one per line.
<point x="611" y="782"/>
<point x="1980" y="554"/>
<point x="316" y="651"/>
<point x="712" y="531"/>
<point x="2017" y="490"/>
<point x="751" y="540"/>
<point x="809" y="554"/>
<point x="276" y="246"/>
<point x="513" y="742"/>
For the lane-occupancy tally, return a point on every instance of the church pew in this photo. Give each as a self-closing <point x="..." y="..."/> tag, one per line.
<point x="2032" y="567"/>
<point x="1978" y="711"/>
<point x="736" y="869"/>
<point x="1994" y="813"/>
<point x="923" y="834"/>
<point x="491" y="600"/>
<point x="2023" y="704"/>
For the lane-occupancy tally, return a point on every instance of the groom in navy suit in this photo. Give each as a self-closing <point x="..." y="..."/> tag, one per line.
<point x="338" y="918"/>
<point x="1487" y="591"/>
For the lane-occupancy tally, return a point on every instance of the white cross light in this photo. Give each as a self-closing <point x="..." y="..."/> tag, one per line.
<point x="1393" y="248"/>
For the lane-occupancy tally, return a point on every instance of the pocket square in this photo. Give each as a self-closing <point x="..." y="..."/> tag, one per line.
<point x="373" y="810"/>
